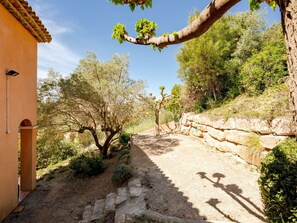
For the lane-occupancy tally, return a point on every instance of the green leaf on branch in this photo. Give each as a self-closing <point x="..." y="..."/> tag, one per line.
<point x="255" y="4"/>
<point x="119" y="32"/>
<point x="145" y="28"/>
<point x="134" y="3"/>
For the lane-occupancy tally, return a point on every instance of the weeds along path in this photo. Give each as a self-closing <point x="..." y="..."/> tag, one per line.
<point x="188" y="179"/>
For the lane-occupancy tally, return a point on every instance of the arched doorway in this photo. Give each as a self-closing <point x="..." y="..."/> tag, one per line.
<point x="27" y="159"/>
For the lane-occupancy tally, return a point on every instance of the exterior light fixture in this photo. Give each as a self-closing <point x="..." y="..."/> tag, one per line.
<point x="12" y="73"/>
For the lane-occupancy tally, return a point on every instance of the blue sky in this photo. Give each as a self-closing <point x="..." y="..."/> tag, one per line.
<point x="78" y="26"/>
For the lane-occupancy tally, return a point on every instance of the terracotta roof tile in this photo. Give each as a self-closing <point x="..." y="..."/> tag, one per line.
<point x="24" y="13"/>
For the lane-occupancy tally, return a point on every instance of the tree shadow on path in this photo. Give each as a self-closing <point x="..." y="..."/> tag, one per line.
<point x="235" y="193"/>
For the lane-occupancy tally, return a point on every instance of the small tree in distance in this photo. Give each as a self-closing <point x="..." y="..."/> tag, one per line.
<point x="156" y="106"/>
<point x="98" y="97"/>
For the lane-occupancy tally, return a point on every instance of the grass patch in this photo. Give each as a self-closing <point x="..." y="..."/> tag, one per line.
<point x="274" y="102"/>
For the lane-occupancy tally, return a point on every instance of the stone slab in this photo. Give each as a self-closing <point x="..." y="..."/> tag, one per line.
<point x="110" y="205"/>
<point x="98" y="211"/>
<point x="132" y="206"/>
<point x="87" y="213"/>
<point x="122" y="195"/>
<point x="217" y="134"/>
<point x="137" y="191"/>
<point x="238" y="137"/>
<point x="271" y="141"/>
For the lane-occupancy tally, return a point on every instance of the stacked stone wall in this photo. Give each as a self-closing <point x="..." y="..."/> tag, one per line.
<point x="249" y="139"/>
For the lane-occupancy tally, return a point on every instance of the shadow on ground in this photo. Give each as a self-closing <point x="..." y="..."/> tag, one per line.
<point x="163" y="196"/>
<point x="157" y="145"/>
<point x="234" y="192"/>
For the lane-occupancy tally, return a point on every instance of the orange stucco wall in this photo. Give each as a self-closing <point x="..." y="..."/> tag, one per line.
<point x="18" y="51"/>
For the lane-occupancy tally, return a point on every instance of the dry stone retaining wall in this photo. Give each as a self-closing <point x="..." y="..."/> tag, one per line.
<point x="236" y="135"/>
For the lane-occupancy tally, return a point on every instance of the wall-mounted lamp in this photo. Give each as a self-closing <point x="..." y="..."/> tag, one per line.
<point x="12" y="73"/>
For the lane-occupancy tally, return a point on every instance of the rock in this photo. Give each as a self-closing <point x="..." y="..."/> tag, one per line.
<point x="243" y="124"/>
<point x="238" y="137"/>
<point x="209" y="140"/>
<point x="271" y="141"/>
<point x="229" y="124"/>
<point x="196" y="132"/>
<point x="217" y="134"/>
<point x="134" y="183"/>
<point x="137" y="191"/>
<point x="98" y="210"/>
<point x="110" y="205"/>
<point x="218" y="124"/>
<point x="184" y="129"/>
<point x="203" y="128"/>
<point x="122" y="195"/>
<point x="87" y="213"/>
<point x="131" y="207"/>
<point x="282" y="126"/>
<point x="204" y="120"/>
<point x="227" y="147"/>
<point x="261" y="126"/>
<point x="249" y="155"/>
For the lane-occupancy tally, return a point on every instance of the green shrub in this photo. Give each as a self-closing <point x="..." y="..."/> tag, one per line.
<point x="122" y="173"/>
<point x="87" y="166"/>
<point x="125" y="138"/>
<point x="125" y="159"/>
<point x="278" y="183"/>
<point x="50" y="151"/>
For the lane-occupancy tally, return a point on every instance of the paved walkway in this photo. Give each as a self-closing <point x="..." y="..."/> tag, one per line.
<point x="191" y="180"/>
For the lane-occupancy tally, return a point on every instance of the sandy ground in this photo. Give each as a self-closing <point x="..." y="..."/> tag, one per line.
<point x="188" y="179"/>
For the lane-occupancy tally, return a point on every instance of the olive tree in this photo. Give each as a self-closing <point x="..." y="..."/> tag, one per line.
<point x="99" y="97"/>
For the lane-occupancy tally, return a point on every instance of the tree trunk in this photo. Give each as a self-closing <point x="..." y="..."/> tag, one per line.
<point x="107" y="143"/>
<point x="288" y="10"/>
<point x="157" y="122"/>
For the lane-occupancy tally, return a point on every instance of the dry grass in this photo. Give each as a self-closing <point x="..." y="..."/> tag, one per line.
<point x="274" y="102"/>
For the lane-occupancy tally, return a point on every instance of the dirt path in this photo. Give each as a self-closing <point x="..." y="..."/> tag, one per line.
<point x="191" y="180"/>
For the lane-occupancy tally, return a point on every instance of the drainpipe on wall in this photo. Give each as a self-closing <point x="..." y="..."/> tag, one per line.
<point x="7" y="106"/>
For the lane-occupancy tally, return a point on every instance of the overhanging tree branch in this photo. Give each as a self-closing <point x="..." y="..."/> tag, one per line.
<point x="215" y="10"/>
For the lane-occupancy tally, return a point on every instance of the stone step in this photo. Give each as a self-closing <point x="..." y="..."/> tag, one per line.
<point x="87" y="215"/>
<point x="122" y="195"/>
<point x="132" y="206"/>
<point x="98" y="212"/>
<point x="110" y="204"/>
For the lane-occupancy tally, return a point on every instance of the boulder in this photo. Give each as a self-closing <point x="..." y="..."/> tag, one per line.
<point x="238" y="137"/>
<point x="205" y="120"/>
<point x="249" y="155"/>
<point x="282" y="126"/>
<point x="271" y="141"/>
<point x="261" y="126"/>
<point x="217" y="134"/>
<point x="196" y="132"/>
<point x="227" y="147"/>
<point x="203" y="128"/>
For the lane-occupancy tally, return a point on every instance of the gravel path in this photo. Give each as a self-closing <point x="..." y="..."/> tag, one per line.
<point x="188" y="179"/>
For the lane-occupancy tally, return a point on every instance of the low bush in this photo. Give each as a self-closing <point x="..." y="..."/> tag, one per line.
<point x="122" y="173"/>
<point x="124" y="138"/>
<point x="87" y="166"/>
<point x="278" y="183"/>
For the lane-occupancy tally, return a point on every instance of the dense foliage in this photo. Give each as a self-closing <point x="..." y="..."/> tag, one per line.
<point x="87" y="165"/>
<point x="237" y="55"/>
<point x="278" y="183"/>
